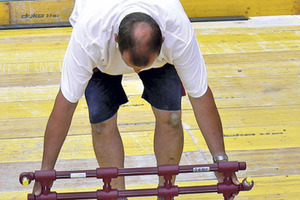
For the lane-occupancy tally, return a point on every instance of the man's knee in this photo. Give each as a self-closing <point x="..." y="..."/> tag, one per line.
<point x="170" y="119"/>
<point x="175" y="119"/>
<point x="105" y="127"/>
<point x="99" y="128"/>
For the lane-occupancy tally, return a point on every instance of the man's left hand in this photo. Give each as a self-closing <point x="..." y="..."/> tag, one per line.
<point x="220" y="177"/>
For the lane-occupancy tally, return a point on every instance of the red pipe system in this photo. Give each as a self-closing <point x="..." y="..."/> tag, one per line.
<point x="168" y="191"/>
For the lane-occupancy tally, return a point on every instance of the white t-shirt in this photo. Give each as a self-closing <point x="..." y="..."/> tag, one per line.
<point x="92" y="43"/>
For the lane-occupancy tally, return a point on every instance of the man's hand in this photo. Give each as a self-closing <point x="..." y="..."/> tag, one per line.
<point x="56" y="132"/>
<point x="220" y="177"/>
<point x="37" y="188"/>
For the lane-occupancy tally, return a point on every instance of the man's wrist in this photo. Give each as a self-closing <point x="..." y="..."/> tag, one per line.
<point x="47" y="166"/>
<point x="220" y="158"/>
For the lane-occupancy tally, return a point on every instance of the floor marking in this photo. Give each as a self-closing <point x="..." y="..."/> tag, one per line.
<point x="255" y="134"/>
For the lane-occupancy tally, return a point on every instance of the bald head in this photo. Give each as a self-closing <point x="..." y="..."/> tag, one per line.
<point x="140" y="36"/>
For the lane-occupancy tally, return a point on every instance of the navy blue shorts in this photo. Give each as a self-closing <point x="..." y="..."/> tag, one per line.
<point x="104" y="93"/>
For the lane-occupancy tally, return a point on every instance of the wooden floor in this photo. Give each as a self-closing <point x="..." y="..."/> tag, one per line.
<point x="253" y="69"/>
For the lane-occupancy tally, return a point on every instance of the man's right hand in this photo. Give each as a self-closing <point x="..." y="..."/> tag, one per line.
<point x="55" y="134"/>
<point x="37" y="188"/>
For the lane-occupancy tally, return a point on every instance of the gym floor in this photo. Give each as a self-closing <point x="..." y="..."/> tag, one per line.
<point x="253" y="70"/>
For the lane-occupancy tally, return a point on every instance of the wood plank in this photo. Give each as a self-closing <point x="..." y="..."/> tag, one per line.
<point x="4" y="16"/>
<point x="251" y="8"/>
<point x="253" y="138"/>
<point x="34" y="115"/>
<point x="33" y="33"/>
<point x="32" y="12"/>
<point x="245" y="115"/>
<point x="244" y="105"/>
<point x="78" y="146"/>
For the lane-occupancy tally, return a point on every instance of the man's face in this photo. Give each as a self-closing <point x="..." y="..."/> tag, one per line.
<point x="126" y="56"/>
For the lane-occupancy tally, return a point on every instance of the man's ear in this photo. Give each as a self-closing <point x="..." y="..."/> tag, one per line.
<point x="163" y="39"/>
<point x="116" y="38"/>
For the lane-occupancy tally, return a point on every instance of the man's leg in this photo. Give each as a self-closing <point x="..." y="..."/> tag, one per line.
<point x="108" y="147"/>
<point x="168" y="138"/>
<point x="104" y="94"/>
<point x="163" y="90"/>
